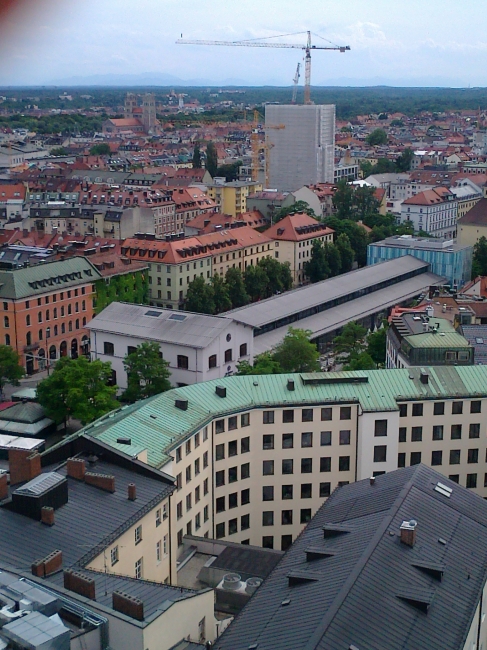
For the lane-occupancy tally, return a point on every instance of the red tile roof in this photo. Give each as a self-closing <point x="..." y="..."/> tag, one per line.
<point x="297" y="227"/>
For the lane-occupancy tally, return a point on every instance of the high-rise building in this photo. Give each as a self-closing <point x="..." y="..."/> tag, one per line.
<point x="300" y="145"/>
<point x="149" y="112"/>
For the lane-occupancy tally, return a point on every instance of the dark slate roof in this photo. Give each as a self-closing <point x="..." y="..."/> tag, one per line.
<point x="359" y="586"/>
<point x="248" y="561"/>
<point x="476" y="215"/>
<point x="476" y="335"/>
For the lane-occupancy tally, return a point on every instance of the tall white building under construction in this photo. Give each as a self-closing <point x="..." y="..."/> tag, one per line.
<point x="301" y="145"/>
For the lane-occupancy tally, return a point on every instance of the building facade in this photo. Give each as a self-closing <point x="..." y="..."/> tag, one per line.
<point x="231" y="197"/>
<point x="432" y="211"/>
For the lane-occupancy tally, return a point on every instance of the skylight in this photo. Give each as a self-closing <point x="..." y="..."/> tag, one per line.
<point x="152" y="313"/>
<point x="179" y="317"/>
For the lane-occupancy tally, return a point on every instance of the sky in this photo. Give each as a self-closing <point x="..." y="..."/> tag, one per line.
<point x="393" y="42"/>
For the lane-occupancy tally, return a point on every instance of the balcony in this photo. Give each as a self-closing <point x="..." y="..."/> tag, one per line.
<point x="31" y="347"/>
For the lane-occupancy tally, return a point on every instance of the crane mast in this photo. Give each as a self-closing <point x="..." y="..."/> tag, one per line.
<point x="296" y="80"/>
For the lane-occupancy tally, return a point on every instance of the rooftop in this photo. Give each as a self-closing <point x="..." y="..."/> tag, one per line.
<point x="476" y="216"/>
<point x="421" y="243"/>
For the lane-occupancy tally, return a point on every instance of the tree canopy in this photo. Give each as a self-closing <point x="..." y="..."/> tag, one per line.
<point x="479" y="264"/>
<point x="377" y="136"/>
<point x="102" y="149"/>
<point x="200" y="297"/>
<point x="196" y="157"/>
<point x="147" y="372"/>
<point x="10" y="369"/>
<point x="297" y="207"/>
<point x="211" y="159"/>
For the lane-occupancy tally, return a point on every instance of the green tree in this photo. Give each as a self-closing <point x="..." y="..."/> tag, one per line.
<point x="59" y="151"/>
<point x="378" y="136"/>
<point x="236" y="288"/>
<point x="376" y="346"/>
<point x="350" y="342"/>
<point x="147" y="372"/>
<point x="211" y="159"/>
<point x="102" y="149"/>
<point x="384" y="166"/>
<point x="10" y="369"/>
<point x="366" y="167"/>
<point x="479" y="264"/>
<point x="317" y="268"/>
<point x="264" y="364"/>
<point x="278" y="275"/>
<point x="200" y="297"/>
<point x="196" y="157"/>
<point x="296" y="353"/>
<point x="221" y="296"/>
<point x="365" y="202"/>
<point x="404" y="161"/>
<point x="399" y="123"/>
<point x="256" y="282"/>
<point x="295" y="208"/>
<point x="362" y="361"/>
<point x="229" y="171"/>
<point x="79" y="389"/>
<point x="343" y="200"/>
<point x="347" y="256"/>
<point x="333" y="258"/>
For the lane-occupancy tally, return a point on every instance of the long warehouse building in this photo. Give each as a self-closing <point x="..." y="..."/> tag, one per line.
<point x="325" y="307"/>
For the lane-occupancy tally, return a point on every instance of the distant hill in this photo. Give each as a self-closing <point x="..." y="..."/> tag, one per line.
<point x="144" y="79"/>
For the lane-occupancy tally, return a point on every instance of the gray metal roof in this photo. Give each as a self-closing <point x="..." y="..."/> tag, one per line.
<point x="40" y="484"/>
<point x="310" y="296"/>
<point x="359" y="586"/>
<point x="161" y="325"/>
<point x="476" y="335"/>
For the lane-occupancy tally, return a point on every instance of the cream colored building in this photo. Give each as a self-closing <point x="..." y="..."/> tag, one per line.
<point x="231" y="197"/>
<point x="473" y="224"/>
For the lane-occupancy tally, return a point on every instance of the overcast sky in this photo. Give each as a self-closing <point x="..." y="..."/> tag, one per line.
<point x="414" y="42"/>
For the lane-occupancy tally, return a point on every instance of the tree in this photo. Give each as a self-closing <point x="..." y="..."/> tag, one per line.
<point x="364" y="202"/>
<point x="77" y="388"/>
<point x="404" y="161"/>
<point x="211" y="159"/>
<point x="279" y="276"/>
<point x="384" y="166"/>
<point x="147" y="372"/>
<point x="196" y="157"/>
<point x="10" y="369"/>
<point x="296" y="353"/>
<point x="362" y="361"/>
<point x="350" y="342"/>
<point x="256" y="282"/>
<point x="264" y="364"/>
<point x="230" y="170"/>
<point x="376" y="346"/>
<point x="366" y="167"/>
<point x="200" y="297"/>
<point x="479" y="264"/>
<point x="343" y="200"/>
<point x="102" y="149"/>
<point x="333" y="258"/>
<point x="59" y="151"/>
<point x="295" y="208"/>
<point x="347" y="256"/>
<point x="221" y="296"/>
<point x="317" y="268"/>
<point x="378" y="136"/>
<point x="236" y="288"/>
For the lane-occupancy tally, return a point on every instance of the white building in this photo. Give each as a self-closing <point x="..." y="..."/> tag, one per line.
<point x="433" y="211"/>
<point x="197" y="347"/>
<point x="300" y="141"/>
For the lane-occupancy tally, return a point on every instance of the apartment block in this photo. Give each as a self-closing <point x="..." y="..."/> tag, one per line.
<point x="231" y="197"/>
<point x="433" y="211"/>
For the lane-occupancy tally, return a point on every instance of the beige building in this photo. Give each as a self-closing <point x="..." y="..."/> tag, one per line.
<point x="473" y="224"/>
<point x="231" y="197"/>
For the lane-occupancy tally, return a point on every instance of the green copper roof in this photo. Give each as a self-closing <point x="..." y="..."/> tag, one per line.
<point x="157" y="425"/>
<point x="45" y="277"/>
<point x="439" y="340"/>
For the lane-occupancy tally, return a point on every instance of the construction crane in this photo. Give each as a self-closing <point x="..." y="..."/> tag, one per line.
<point x="257" y="43"/>
<point x="296" y="80"/>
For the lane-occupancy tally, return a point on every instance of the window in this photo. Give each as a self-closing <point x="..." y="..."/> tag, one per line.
<point x="232" y="423"/>
<point x="325" y="464"/>
<point x="268" y="518"/>
<point x="471" y="481"/>
<point x="220" y="504"/>
<point x="197" y="494"/>
<point x="306" y="465"/>
<point x="345" y="412"/>
<point x="287" y="466"/>
<point x="138" y="569"/>
<point x="205" y="434"/>
<point x="245" y="445"/>
<point x="439" y="408"/>
<point x="456" y="431"/>
<point x="288" y="416"/>
<point x="457" y="408"/>
<point x="473" y="456"/>
<point x="415" y="457"/>
<point x="416" y="434"/>
<point x="232" y="448"/>
<point x="179" y="509"/>
<point x="475" y="406"/>
<point x="306" y="490"/>
<point x="39" y="318"/>
<point x="7" y="339"/>
<point x="305" y="515"/>
<point x="27" y="320"/>
<point x="228" y="355"/>
<point x="212" y="361"/>
<point x="220" y="452"/>
<point x="286" y="542"/>
<point x="220" y="530"/>
<point x="268" y="541"/>
<point x="380" y="428"/>
<point x="380" y="453"/>
<point x="179" y="481"/>
<point x="307" y="415"/>
<point x="438" y="432"/>
<point x="232" y="526"/>
<point x="138" y="534"/>
<point x="233" y="500"/>
<point x="114" y="555"/>
<point x="233" y="474"/>
<point x="417" y="409"/>
<point x="436" y="457"/>
<point x="245" y="470"/>
<point x="268" y="442"/>
<point x="287" y="492"/>
<point x="180" y="537"/>
<point x="325" y="438"/>
<point x="245" y="497"/>
<point x="325" y="489"/>
<point x="454" y="456"/>
<point x="188" y="447"/>
<point x="183" y="362"/>
<point x="401" y="459"/>
<point x="244" y="522"/>
<point x="268" y="467"/>
<point x="245" y="420"/>
<point x="158" y="517"/>
<point x="344" y="463"/>
<point x="326" y="413"/>
<point x="220" y="478"/>
<point x="188" y="502"/>
<point x="474" y="430"/>
<point x="287" y="440"/>
<point x="188" y="473"/>
<point x="307" y="439"/>
<point x="108" y="348"/>
<point x="220" y="426"/>
<point x="158" y="551"/>
<point x="345" y="437"/>
<point x="268" y="493"/>
<point x="268" y="417"/>
<point x="205" y="460"/>
<point x="286" y="517"/>
<point x="403" y="410"/>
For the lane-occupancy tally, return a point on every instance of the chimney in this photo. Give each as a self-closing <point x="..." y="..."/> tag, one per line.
<point x="128" y="605"/>
<point x="290" y="384"/>
<point x="372" y="480"/>
<point x="408" y="532"/>
<point x="80" y="584"/>
<point x="53" y="562"/>
<point x="221" y="391"/>
<point x="23" y="465"/>
<point x="76" y="468"/>
<point x="3" y="486"/>
<point x="424" y="377"/>
<point x="132" y="492"/>
<point x="103" y="481"/>
<point x="47" y="516"/>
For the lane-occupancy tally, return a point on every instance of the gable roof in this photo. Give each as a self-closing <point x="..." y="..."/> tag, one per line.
<point x="348" y="572"/>
<point x="476" y="216"/>
<point x="298" y="227"/>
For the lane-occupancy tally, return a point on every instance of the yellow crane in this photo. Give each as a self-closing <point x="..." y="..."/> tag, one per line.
<point x="307" y="47"/>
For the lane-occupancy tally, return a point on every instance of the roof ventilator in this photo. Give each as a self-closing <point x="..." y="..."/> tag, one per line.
<point x="221" y="391"/>
<point x="290" y="384"/>
<point x="181" y="404"/>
